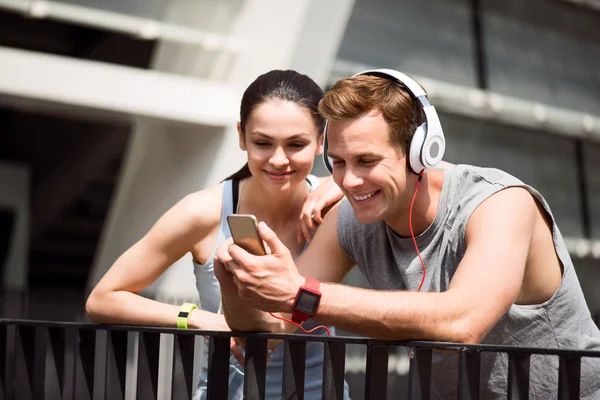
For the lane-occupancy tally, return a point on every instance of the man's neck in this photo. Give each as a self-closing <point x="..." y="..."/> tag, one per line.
<point x="425" y="206"/>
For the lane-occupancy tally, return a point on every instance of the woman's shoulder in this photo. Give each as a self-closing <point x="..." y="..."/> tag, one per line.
<point x="204" y="206"/>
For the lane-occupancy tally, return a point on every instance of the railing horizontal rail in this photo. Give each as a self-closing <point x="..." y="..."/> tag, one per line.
<point x="317" y="338"/>
<point x="51" y="360"/>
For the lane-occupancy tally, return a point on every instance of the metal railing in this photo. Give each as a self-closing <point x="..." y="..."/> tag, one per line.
<point x="46" y="360"/>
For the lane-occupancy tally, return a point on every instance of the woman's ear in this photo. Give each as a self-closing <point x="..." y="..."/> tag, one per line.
<point x="320" y="142"/>
<point x="241" y="137"/>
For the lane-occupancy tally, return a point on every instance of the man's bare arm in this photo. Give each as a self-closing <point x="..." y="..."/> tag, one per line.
<point x="484" y="286"/>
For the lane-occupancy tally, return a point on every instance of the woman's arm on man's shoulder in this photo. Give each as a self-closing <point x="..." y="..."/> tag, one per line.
<point x="316" y="205"/>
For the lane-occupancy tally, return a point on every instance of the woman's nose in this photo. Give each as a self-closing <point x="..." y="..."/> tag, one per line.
<point x="279" y="158"/>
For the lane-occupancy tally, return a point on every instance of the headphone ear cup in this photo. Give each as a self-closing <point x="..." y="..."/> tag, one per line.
<point x="433" y="151"/>
<point x="415" y="151"/>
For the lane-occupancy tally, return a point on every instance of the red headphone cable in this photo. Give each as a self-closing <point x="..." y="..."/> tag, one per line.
<point x="300" y="326"/>
<point x="412" y="234"/>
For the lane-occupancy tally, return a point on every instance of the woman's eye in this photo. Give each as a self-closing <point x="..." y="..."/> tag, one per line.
<point x="263" y="144"/>
<point x="338" y="162"/>
<point x="298" y="145"/>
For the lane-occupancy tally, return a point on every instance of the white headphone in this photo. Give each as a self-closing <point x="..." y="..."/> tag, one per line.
<point x="427" y="144"/>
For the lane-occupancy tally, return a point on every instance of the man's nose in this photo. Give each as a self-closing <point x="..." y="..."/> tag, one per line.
<point x="351" y="179"/>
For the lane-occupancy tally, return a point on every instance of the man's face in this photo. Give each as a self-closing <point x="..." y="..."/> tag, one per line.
<point x="371" y="172"/>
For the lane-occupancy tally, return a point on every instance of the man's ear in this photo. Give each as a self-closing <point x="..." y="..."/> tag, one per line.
<point x="241" y="138"/>
<point x="320" y="142"/>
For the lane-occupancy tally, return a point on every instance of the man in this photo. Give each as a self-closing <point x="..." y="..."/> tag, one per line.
<point x="466" y="254"/>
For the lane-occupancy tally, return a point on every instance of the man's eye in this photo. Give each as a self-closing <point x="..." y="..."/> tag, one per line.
<point x="263" y="144"/>
<point x="338" y="162"/>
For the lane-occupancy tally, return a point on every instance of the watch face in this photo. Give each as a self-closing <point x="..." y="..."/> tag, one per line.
<point x="307" y="302"/>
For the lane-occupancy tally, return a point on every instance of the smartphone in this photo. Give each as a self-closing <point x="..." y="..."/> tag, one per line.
<point x="244" y="231"/>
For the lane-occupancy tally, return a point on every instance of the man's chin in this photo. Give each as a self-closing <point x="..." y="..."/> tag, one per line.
<point x="366" y="218"/>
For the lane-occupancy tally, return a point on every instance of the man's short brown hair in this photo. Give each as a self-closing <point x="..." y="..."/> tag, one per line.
<point x="352" y="97"/>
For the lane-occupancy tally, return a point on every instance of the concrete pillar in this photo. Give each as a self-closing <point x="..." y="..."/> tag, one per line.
<point x="322" y="33"/>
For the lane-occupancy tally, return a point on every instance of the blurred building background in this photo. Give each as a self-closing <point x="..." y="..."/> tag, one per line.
<point x="111" y="111"/>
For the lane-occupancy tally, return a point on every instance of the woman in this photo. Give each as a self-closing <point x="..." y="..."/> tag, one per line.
<point x="281" y="131"/>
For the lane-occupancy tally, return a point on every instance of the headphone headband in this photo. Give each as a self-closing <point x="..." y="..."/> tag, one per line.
<point x="413" y="87"/>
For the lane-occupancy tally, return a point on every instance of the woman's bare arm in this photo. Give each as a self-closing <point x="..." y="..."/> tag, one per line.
<point x="115" y="299"/>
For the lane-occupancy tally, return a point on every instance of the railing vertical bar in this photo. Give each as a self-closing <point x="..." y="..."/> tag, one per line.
<point x="70" y="354"/>
<point x="423" y="357"/>
<point x="24" y="351"/>
<point x="518" y="376"/>
<point x="333" y="370"/>
<point x="218" y="368"/>
<point x="569" y="377"/>
<point x="183" y="367"/>
<point x="10" y="362"/>
<point x="148" y="361"/>
<point x="255" y="368"/>
<point x="376" y="373"/>
<point x="131" y="365"/>
<point x="116" y="364"/>
<point x="85" y="355"/>
<point x="55" y="363"/>
<point x="294" y="362"/>
<point x="100" y="364"/>
<point x="3" y="328"/>
<point x="39" y="362"/>
<point x="469" y="370"/>
<point x="420" y="374"/>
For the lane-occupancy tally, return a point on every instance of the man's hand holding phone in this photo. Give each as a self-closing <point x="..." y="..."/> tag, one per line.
<point x="268" y="282"/>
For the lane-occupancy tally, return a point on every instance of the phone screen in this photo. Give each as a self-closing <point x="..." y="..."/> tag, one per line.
<point x="244" y="231"/>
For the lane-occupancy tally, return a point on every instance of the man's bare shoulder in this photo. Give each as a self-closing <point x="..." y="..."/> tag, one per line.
<point x="513" y="207"/>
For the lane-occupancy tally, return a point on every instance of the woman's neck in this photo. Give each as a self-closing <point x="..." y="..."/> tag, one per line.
<point x="276" y="209"/>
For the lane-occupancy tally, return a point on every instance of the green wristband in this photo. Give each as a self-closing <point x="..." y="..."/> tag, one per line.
<point x="184" y="315"/>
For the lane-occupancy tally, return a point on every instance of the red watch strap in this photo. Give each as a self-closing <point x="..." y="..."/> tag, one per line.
<point x="313" y="284"/>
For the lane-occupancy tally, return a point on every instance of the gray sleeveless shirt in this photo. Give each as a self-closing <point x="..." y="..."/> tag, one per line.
<point x="210" y="300"/>
<point x="390" y="262"/>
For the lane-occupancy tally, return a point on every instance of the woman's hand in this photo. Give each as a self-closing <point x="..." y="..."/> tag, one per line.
<point x="316" y="205"/>
<point x="207" y="321"/>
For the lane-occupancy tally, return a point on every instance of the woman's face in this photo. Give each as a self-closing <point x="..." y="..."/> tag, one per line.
<point x="281" y="140"/>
